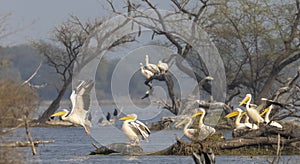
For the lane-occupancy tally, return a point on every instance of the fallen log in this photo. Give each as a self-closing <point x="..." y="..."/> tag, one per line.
<point x="121" y="148"/>
<point x="25" y="143"/>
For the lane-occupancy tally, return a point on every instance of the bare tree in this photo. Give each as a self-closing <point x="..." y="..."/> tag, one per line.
<point x="70" y="47"/>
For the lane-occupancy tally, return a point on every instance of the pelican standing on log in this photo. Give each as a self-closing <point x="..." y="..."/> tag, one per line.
<point x="190" y="133"/>
<point x="238" y="125"/>
<point x="251" y="112"/>
<point x="199" y="133"/>
<point x="205" y="130"/>
<point x="267" y="111"/>
<point x="135" y="129"/>
<point x="80" y="99"/>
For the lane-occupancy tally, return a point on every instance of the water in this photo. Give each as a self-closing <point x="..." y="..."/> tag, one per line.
<point x="73" y="146"/>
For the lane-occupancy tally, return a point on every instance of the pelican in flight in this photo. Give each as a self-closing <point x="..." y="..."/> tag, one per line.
<point x="135" y="129"/>
<point x="238" y="125"/>
<point x="151" y="67"/>
<point x="204" y="129"/>
<point x="80" y="99"/>
<point x="251" y="112"/>
<point x="267" y="111"/>
<point x="163" y="67"/>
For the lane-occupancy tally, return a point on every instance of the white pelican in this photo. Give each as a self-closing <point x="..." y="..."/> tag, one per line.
<point x="163" y="67"/>
<point x="204" y="129"/>
<point x="238" y="125"/>
<point x="134" y="129"/>
<point x="147" y="73"/>
<point x="190" y="133"/>
<point x="151" y="67"/>
<point x="267" y="111"/>
<point x="80" y="99"/>
<point x="251" y="112"/>
<point x="199" y="133"/>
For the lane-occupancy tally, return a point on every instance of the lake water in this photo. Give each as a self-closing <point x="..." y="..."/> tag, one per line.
<point x="73" y="146"/>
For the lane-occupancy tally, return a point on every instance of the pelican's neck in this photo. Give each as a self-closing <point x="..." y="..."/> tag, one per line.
<point x="246" y="119"/>
<point x="201" y="120"/>
<point x="147" y="59"/>
<point x="248" y="103"/>
<point x="188" y="124"/>
<point x="238" y="119"/>
<point x="267" y="119"/>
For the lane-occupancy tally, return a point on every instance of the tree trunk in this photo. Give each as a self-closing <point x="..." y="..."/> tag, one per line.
<point x="56" y="102"/>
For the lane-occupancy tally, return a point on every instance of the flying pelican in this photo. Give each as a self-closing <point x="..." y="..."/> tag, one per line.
<point x="147" y="73"/>
<point x="80" y="99"/>
<point x="204" y="129"/>
<point x="251" y="112"/>
<point x="151" y="67"/>
<point x="238" y="125"/>
<point x="267" y="111"/>
<point x="163" y="67"/>
<point x="134" y="129"/>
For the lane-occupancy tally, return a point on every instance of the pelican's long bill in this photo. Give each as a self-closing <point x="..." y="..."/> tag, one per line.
<point x="246" y="99"/>
<point x="265" y="111"/>
<point x="127" y="118"/>
<point x="197" y="114"/>
<point x="232" y="114"/>
<point x="182" y="122"/>
<point x="61" y="113"/>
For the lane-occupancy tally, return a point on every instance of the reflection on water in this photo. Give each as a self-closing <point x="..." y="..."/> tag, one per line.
<point x="73" y="146"/>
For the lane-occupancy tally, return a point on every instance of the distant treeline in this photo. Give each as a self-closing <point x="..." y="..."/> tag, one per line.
<point x="19" y="62"/>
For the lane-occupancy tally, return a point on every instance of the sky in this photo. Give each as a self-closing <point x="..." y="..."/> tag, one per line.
<point x="34" y="19"/>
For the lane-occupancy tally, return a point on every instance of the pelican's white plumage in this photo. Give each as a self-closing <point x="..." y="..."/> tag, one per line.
<point x="238" y="125"/>
<point x="163" y="67"/>
<point x="151" y="67"/>
<point x="205" y="130"/>
<point x="199" y="133"/>
<point x="135" y="129"/>
<point x="251" y="112"/>
<point x="190" y="133"/>
<point x="80" y="99"/>
<point x="147" y="73"/>
<point x="267" y="111"/>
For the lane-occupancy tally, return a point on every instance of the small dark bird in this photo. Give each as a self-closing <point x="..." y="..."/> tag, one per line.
<point x="108" y="116"/>
<point x="116" y="112"/>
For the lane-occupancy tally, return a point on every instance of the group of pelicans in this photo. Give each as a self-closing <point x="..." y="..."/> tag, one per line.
<point x="135" y="130"/>
<point x="252" y="111"/>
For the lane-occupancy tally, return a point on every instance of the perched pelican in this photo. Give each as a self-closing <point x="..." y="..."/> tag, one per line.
<point x="80" y="99"/>
<point x="163" y="67"/>
<point x="251" y="112"/>
<point x="238" y="125"/>
<point x="204" y="129"/>
<point x="199" y="133"/>
<point x="151" y="67"/>
<point x="190" y="133"/>
<point x="134" y="129"/>
<point x="147" y="73"/>
<point x="267" y="111"/>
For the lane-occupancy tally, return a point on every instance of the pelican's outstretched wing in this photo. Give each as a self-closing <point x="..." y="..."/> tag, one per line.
<point x="140" y="129"/>
<point x="80" y="98"/>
